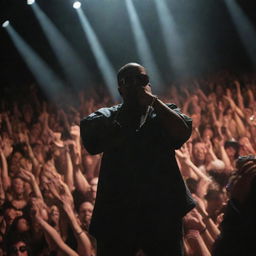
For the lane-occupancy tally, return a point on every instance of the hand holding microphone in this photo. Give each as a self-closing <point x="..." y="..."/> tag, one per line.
<point x="146" y="100"/>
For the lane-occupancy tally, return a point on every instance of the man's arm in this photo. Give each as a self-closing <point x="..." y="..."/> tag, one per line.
<point x="100" y="133"/>
<point x="177" y="126"/>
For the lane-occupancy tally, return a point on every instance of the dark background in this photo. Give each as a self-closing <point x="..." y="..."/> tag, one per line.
<point x="211" y="39"/>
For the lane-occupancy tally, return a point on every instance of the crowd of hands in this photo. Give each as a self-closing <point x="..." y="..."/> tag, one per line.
<point x="48" y="182"/>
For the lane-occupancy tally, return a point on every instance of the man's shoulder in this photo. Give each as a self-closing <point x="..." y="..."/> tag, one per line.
<point x="178" y="110"/>
<point x="104" y="112"/>
<point x="171" y="105"/>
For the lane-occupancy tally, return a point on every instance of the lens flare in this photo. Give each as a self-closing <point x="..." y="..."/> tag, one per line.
<point x="76" y="5"/>
<point x="5" y="24"/>
<point x="29" y="2"/>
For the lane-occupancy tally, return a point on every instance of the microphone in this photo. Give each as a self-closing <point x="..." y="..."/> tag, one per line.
<point x="144" y="118"/>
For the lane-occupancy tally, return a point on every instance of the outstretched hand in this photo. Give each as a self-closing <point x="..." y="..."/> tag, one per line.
<point x="61" y="193"/>
<point x="26" y="175"/>
<point x="38" y="209"/>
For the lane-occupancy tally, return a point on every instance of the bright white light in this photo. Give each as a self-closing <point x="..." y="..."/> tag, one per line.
<point x="77" y="5"/>
<point x="30" y="2"/>
<point x="5" y="24"/>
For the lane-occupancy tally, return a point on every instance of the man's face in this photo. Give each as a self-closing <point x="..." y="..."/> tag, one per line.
<point x="231" y="152"/>
<point x="216" y="202"/>
<point x="18" y="186"/>
<point x="19" y="249"/>
<point x="23" y="225"/>
<point x="131" y="81"/>
<point x="207" y="134"/>
<point x="199" y="151"/>
<point x="85" y="212"/>
<point x="15" y="161"/>
<point x="54" y="214"/>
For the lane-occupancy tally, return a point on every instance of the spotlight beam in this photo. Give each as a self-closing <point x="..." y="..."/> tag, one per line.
<point x="46" y="78"/>
<point x="143" y="47"/>
<point x="104" y="64"/>
<point x="173" y="43"/>
<point x="74" y="69"/>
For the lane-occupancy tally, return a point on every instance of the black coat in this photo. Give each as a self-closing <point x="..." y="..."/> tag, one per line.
<point x="139" y="173"/>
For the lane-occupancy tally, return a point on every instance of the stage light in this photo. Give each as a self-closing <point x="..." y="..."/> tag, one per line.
<point x="104" y="64"/>
<point x="50" y="83"/>
<point x="142" y="44"/>
<point x="74" y="69"/>
<point x="77" y="5"/>
<point x="29" y="2"/>
<point x="5" y="24"/>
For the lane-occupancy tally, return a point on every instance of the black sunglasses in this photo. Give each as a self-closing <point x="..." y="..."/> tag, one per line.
<point x="136" y="80"/>
<point x="22" y="248"/>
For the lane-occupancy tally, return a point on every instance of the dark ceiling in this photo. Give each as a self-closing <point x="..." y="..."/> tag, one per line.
<point x="211" y="40"/>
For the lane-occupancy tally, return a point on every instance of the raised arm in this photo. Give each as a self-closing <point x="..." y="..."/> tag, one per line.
<point x="224" y="155"/>
<point x="177" y="126"/>
<point x="68" y="175"/>
<point x="30" y="178"/>
<point x="239" y="95"/>
<point x="189" y="163"/>
<point x="2" y="193"/>
<point x="8" y="124"/>
<point x="35" y="163"/>
<point x="61" y="192"/>
<point x="80" y="182"/>
<point x="55" y="236"/>
<point x="4" y="175"/>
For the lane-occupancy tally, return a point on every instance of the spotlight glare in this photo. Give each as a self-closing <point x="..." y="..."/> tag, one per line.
<point x="5" y="24"/>
<point x="77" y="5"/>
<point x="29" y="2"/>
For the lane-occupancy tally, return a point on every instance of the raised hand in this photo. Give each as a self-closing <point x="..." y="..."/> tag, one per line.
<point x="75" y="131"/>
<point x="220" y="107"/>
<point x="26" y="175"/>
<point x="74" y="154"/>
<point x="193" y="220"/>
<point x="38" y="209"/>
<point x="61" y="192"/>
<point x="185" y="154"/>
<point x="144" y="96"/>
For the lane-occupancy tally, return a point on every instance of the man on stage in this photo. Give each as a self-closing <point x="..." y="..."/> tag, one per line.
<point x="141" y="195"/>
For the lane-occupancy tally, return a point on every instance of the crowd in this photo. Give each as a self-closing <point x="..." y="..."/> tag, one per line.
<point x="48" y="182"/>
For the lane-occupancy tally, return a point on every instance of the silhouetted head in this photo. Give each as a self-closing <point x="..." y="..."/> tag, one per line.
<point x="131" y="77"/>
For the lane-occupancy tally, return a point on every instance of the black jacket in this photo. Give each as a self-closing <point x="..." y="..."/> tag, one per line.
<point x="138" y="172"/>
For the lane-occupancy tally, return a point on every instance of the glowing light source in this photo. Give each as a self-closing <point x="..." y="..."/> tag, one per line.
<point x="76" y="4"/>
<point x="5" y="24"/>
<point x="29" y="2"/>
